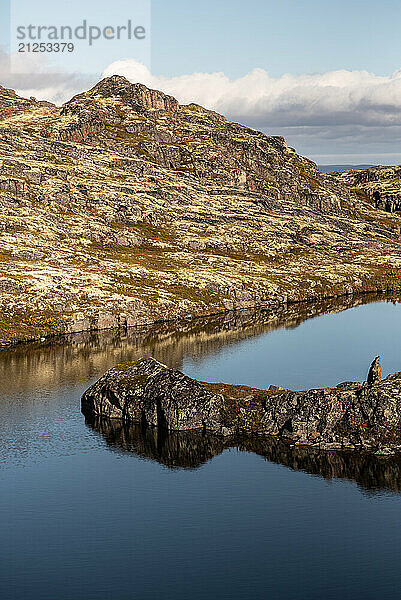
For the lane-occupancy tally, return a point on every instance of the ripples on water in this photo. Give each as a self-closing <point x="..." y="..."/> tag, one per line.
<point x="98" y="510"/>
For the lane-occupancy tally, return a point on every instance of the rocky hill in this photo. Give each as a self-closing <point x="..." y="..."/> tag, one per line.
<point x="123" y="207"/>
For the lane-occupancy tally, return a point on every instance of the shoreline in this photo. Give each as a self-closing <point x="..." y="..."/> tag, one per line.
<point x="119" y="325"/>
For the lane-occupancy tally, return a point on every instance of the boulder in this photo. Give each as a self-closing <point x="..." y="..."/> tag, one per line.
<point x="148" y="392"/>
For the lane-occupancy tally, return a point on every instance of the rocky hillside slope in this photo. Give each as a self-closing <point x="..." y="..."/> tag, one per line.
<point x="123" y="207"/>
<point x="381" y="185"/>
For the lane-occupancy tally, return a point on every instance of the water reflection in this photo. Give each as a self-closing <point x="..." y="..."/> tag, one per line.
<point x="190" y="450"/>
<point x="176" y="450"/>
<point x="76" y="359"/>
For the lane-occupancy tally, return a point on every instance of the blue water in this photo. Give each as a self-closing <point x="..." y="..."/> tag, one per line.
<point x="320" y="352"/>
<point x="86" y="515"/>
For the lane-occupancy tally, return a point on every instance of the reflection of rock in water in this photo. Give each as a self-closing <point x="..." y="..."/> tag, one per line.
<point x="190" y="450"/>
<point x="369" y="471"/>
<point x="185" y="450"/>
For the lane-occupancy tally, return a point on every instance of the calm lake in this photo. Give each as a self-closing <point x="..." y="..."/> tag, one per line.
<point x="110" y="512"/>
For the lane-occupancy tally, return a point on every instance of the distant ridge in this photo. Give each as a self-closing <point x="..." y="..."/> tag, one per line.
<point x="331" y="168"/>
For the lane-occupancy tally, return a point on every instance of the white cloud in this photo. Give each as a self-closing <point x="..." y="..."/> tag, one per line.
<point x="327" y="99"/>
<point x="33" y="75"/>
<point x="343" y="113"/>
<point x="354" y="113"/>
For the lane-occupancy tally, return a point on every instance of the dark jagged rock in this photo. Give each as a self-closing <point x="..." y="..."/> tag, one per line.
<point x="136" y="95"/>
<point x="349" y="416"/>
<point x="380" y="184"/>
<point x="375" y="372"/>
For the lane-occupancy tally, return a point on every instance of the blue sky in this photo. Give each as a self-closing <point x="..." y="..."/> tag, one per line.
<point x="281" y="36"/>
<point x="347" y="116"/>
<point x="285" y="36"/>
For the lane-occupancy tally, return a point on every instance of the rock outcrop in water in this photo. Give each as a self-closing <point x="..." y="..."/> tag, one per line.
<point x="348" y="416"/>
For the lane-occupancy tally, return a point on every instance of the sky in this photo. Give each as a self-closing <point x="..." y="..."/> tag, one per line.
<point x="325" y="75"/>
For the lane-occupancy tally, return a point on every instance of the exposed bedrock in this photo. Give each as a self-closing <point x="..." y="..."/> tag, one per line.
<point x="351" y="415"/>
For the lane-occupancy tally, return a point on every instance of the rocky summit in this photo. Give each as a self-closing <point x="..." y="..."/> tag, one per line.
<point x="123" y="207"/>
<point x="351" y="415"/>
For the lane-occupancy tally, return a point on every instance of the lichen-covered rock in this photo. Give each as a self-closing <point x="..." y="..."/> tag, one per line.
<point x="381" y="185"/>
<point x="352" y="415"/>
<point x="147" y="392"/>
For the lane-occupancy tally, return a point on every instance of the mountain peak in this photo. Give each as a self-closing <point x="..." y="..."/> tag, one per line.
<point x="134" y="94"/>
